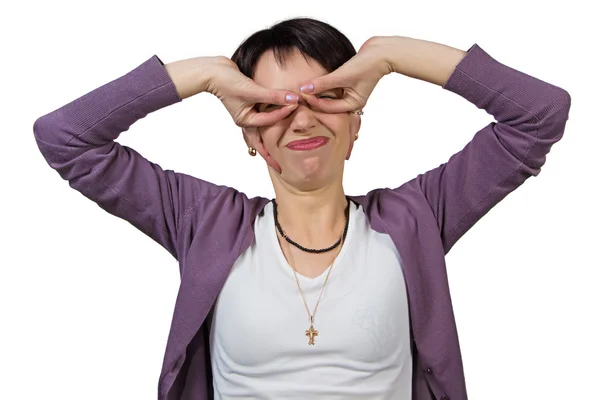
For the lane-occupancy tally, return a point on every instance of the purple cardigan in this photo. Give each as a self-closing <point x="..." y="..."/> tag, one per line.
<point x="206" y="226"/>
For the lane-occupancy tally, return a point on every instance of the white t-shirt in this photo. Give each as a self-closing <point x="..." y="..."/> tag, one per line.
<point x="258" y="345"/>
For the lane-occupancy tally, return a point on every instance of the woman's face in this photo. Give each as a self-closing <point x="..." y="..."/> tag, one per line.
<point x="305" y="169"/>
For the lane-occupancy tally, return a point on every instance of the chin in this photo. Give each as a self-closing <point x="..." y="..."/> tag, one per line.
<point x="310" y="179"/>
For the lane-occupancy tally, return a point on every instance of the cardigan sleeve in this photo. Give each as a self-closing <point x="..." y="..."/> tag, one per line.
<point x="78" y="141"/>
<point x="530" y="117"/>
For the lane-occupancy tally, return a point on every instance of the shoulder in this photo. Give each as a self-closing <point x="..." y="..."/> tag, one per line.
<point x="224" y="205"/>
<point x="383" y="205"/>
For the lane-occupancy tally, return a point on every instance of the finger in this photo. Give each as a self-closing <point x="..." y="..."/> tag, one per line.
<point x="271" y="162"/>
<point x="259" y="94"/>
<point x="256" y="119"/>
<point x="256" y="141"/>
<point x="333" y="80"/>
<point x="329" y="105"/>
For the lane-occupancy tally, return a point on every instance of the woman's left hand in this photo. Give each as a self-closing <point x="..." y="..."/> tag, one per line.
<point x="357" y="76"/>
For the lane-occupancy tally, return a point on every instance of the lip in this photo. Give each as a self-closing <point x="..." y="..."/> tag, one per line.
<point x="308" y="144"/>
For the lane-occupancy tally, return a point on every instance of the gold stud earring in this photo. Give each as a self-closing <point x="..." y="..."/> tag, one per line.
<point x="356" y="136"/>
<point x="251" y="151"/>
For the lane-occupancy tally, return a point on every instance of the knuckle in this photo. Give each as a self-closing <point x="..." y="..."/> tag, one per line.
<point x="274" y="97"/>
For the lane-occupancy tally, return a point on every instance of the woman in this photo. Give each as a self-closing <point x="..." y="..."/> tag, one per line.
<point x="313" y="294"/>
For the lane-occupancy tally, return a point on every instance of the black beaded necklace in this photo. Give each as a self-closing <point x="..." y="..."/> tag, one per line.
<point x="290" y="241"/>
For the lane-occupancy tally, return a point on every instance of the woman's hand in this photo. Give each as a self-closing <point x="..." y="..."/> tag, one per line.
<point x="239" y="94"/>
<point x="358" y="77"/>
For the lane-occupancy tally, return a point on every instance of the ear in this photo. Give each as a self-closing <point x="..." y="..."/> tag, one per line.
<point x="355" y="122"/>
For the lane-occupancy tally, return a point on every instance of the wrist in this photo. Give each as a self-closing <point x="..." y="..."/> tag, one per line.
<point x="390" y="51"/>
<point x="193" y="75"/>
<point x="386" y="49"/>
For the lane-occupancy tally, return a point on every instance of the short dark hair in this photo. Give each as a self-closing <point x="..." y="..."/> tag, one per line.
<point x="313" y="38"/>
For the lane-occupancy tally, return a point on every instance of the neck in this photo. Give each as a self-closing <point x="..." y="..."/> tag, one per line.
<point x="314" y="219"/>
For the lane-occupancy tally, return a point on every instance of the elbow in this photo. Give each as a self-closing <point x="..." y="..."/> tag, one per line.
<point x="552" y="127"/>
<point x="44" y="129"/>
<point x="38" y="127"/>
<point x="563" y="108"/>
<point x="550" y="130"/>
<point x="47" y="136"/>
<point x="41" y="133"/>
<point x="562" y="104"/>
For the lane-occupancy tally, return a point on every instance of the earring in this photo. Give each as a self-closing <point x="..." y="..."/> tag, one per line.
<point x="356" y="136"/>
<point x="358" y="112"/>
<point x="251" y="151"/>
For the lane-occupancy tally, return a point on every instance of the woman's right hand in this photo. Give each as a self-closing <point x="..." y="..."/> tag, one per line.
<point x="240" y="94"/>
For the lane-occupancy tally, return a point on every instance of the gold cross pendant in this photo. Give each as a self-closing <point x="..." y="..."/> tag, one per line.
<point x="311" y="333"/>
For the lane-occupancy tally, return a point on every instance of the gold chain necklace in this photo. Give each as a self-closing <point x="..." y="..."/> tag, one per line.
<point x="311" y="332"/>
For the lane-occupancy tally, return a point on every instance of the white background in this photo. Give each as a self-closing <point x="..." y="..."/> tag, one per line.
<point x="86" y="300"/>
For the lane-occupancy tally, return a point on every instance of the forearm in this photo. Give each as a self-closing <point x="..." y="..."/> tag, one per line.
<point x="191" y="76"/>
<point x="98" y="117"/>
<point x="78" y="140"/>
<point x="420" y="59"/>
<point x="529" y="118"/>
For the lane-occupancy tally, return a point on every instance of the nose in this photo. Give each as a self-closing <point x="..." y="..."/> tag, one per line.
<point x="303" y="117"/>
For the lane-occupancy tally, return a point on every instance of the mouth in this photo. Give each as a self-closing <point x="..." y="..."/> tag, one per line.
<point x="307" y="144"/>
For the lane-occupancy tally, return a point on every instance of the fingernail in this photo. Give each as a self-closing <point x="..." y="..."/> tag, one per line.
<point x="290" y="98"/>
<point x="307" y="88"/>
